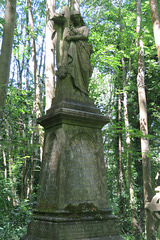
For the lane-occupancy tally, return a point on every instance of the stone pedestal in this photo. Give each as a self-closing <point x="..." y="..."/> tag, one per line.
<point x="63" y="225"/>
<point x="73" y="198"/>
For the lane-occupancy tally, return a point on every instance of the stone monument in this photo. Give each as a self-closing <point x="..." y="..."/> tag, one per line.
<point x="73" y="199"/>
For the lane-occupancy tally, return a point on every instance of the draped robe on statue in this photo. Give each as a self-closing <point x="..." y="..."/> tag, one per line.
<point x="78" y="64"/>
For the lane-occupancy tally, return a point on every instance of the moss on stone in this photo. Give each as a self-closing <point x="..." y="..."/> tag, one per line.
<point x="81" y="208"/>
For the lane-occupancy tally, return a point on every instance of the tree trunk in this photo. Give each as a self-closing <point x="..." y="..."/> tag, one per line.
<point x="135" y="225"/>
<point x="156" y="24"/>
<point x="28" y="52"/>
<point x="34" y="56"/>
<point x="120" y="111"/>
<point x="37" y="103"/>
<point x="147" y="183"/>
<point x="5" y="164"/>
<point x="136" y="228"/>
<point x="49" y="61"/>
<point x="10" y="167"/>
<point x="120" y="147"/>
<point x="6" y="50"/>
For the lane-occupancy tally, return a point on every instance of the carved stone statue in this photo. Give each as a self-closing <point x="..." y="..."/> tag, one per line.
<point x="73" y="50"/>
<point x="74" y="5"/>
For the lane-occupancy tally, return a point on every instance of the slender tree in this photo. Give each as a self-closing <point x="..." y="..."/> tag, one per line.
<point x="135" y="226"/>
<point x="49" y="61"/>
<point x="120" y="108"/>
<point x="147" y="182"/>
<point x="6" y="50"/>
<point x="156" y="24"/>
<point x="120" y="160"/>
<point x="34" y="56"/>
<point x="37" y="103"/>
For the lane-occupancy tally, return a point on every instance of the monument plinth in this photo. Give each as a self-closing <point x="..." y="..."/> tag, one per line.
<point x="73" y="198"/>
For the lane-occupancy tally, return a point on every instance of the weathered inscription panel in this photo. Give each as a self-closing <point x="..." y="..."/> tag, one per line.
<point x="82" y="230"/>
<point x="82" y="172"/>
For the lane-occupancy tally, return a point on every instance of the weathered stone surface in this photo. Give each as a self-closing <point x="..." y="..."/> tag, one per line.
<point x="72" y="53"/>
<point x="73" y="177"/>
<point x="73" y="163"/>
<point x="73" y="113"/>
<point x="72" y="229"/>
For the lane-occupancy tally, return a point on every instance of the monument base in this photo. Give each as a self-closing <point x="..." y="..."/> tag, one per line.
<point x="73" y="198"/>
<point x="62" y="225"/>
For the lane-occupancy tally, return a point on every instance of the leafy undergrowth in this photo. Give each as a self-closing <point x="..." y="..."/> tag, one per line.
<point x="13" y="221"/>
<point x="14" y="218"/>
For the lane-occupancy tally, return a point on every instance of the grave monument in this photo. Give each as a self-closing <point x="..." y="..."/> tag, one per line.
<point x="73" y="199"/>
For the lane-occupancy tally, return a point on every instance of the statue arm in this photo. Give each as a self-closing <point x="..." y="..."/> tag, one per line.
<point x="76" y="38"/>
<point x="81" y="34"/>
<point x="58" y="18"/>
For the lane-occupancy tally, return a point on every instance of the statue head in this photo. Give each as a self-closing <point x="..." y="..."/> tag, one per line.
<point x="77" y="19"/>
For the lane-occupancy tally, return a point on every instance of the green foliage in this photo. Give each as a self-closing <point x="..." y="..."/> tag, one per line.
<point x="110" y="45"/>
<point x="15" y="211"/>
<point x="13" y="219"/>
<point x="19" y="142"/>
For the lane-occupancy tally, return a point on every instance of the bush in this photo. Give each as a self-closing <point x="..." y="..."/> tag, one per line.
<point x="13" y="219"/>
